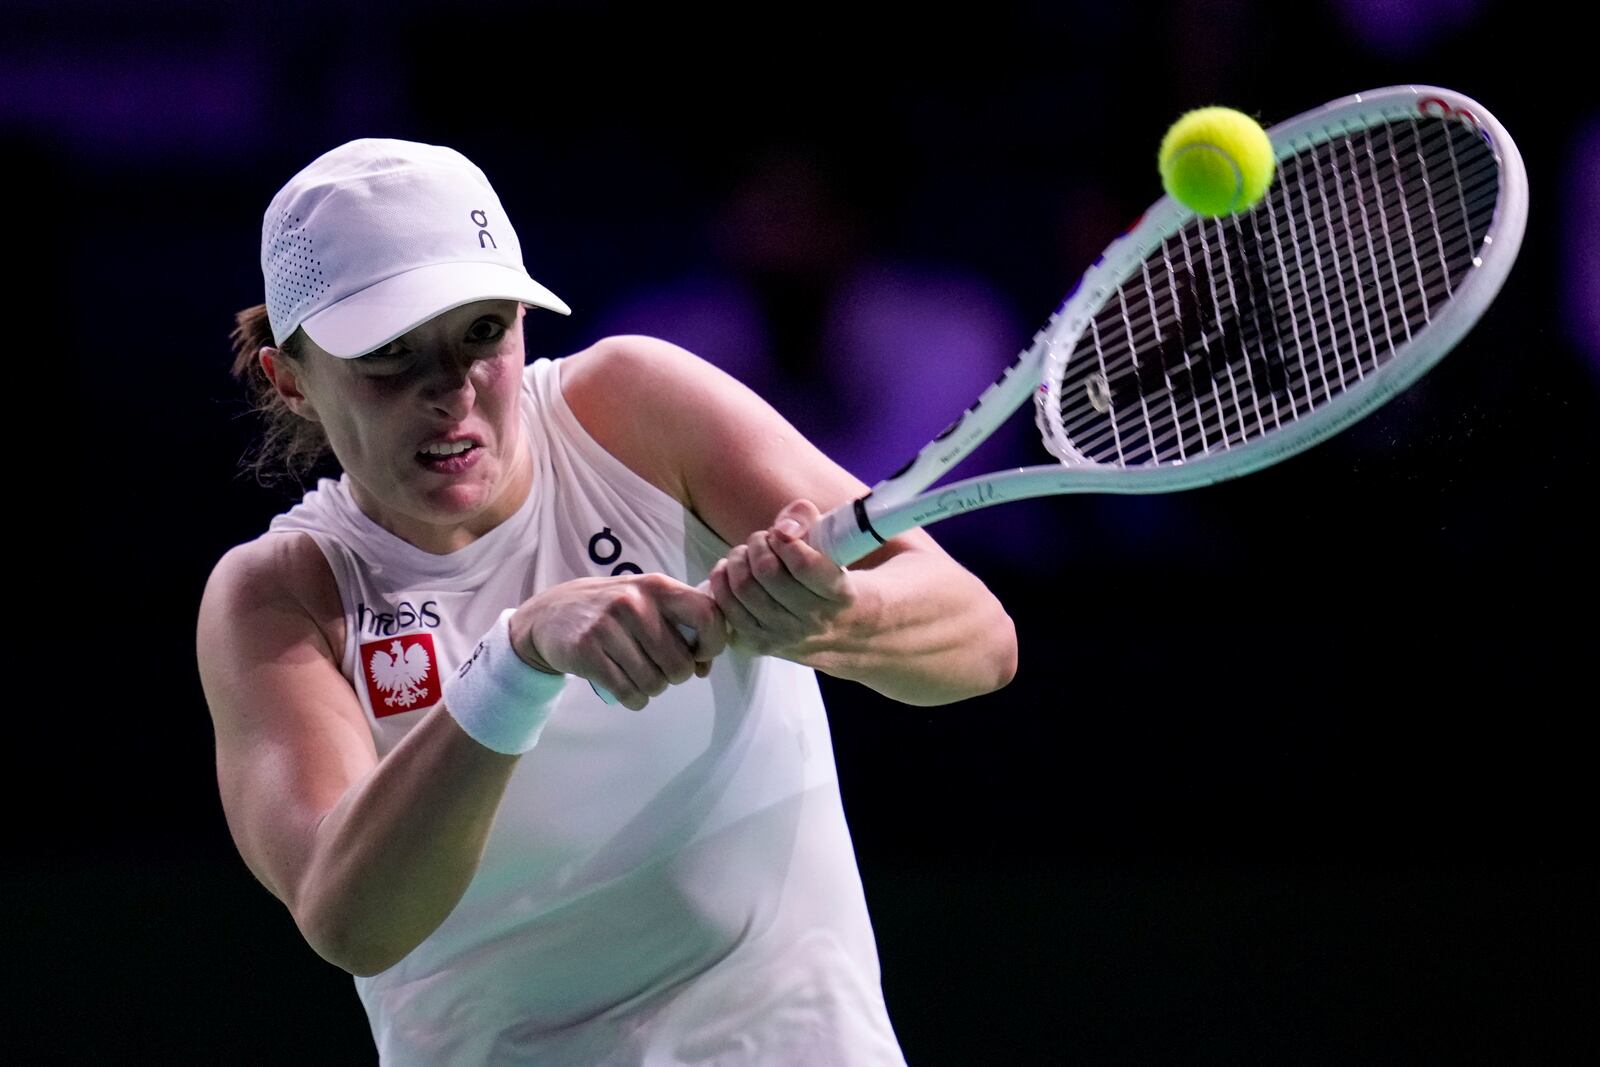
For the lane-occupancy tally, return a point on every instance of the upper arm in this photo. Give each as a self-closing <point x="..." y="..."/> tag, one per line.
<point x="709" y="440"/>
<point x="291" y="736"/>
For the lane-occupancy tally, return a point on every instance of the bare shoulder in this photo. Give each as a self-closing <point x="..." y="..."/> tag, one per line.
<point x="700" y="434"/>
<point x="276" y="570"/>
<point x="629" y="391"/>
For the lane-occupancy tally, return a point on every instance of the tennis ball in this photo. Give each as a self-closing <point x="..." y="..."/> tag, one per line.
<point x="1216" y="161"/>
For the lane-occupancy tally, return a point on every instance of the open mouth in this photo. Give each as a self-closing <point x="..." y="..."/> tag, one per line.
<point x="451" y="462"/>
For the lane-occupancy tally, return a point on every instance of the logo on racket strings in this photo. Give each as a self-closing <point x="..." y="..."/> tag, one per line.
<point x="1220" y="318"/>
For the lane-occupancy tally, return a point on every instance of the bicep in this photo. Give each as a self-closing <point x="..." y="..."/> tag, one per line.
<point x="742" y="462"/>
<point x="291" y="737"/>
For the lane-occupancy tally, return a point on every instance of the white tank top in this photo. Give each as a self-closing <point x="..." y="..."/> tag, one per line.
<point x="663" y="887"/>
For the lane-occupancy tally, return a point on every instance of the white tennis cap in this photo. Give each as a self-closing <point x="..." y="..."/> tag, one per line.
<point x="378" y="236"/>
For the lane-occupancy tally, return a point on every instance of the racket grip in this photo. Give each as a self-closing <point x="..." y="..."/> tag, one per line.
<point x="845" y="534"/>
<point x="688" y="635"/>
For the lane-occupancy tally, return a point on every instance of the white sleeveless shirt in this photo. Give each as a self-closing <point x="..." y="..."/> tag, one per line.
<point x="670" y="886"/>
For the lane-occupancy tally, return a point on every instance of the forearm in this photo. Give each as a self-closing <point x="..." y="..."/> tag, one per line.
<point x="922" y="631"/>
<point x="393" y="858"/>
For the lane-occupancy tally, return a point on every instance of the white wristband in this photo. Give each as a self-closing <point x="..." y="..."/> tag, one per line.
<point x="499" y="700"/>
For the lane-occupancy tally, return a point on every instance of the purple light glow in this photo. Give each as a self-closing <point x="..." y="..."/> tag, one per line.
<point x="714" y="317"/>
<point x="1581" y="253"/>
<point x="1405" y="27"/>
<point x="153" y="104"/>
<point x="917" y="346"/>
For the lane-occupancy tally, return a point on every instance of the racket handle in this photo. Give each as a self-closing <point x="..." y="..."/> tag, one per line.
<point x="845" y="534"/>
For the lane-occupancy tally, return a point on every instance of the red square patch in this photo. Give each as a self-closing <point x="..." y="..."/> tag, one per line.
<point x="402" y="674"/>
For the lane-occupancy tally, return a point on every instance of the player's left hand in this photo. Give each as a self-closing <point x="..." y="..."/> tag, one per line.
<point x="776" y="591"/>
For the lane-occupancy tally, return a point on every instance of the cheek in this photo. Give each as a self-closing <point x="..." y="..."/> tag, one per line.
<point x="355" y="424"/>
<point x="502" y="380"/>
<point x="345" y="437"/>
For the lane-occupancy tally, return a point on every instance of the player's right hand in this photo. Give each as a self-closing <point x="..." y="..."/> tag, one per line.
<point x="621" y="633"/>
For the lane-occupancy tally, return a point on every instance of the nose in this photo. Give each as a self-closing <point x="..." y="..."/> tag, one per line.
<point x="450" y="390"/>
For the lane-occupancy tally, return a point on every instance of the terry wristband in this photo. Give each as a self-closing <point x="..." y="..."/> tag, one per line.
<point x="500" y="701"/>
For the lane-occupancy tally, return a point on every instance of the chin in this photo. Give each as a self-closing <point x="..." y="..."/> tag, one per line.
<point x="472" y="491"/>
<point x="458" y="501"/>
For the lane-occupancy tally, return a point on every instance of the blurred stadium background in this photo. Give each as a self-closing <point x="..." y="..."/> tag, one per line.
<point x="1345" y="827"/>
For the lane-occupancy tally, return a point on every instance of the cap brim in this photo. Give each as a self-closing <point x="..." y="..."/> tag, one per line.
<point x="370" y="319"/>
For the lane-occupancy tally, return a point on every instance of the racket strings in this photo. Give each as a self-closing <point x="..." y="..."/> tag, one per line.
<point x="1236" y="327"/>
<point x="1142" y="326"/>
<point x="1343" y="320"/>
<point x="1455" y="236"/>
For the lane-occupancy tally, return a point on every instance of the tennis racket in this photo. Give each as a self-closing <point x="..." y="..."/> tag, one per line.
<point x="1202" y="349"/>
<point x="1196" y="349"/>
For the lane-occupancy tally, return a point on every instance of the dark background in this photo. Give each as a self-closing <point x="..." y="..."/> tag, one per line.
<point x="1293" y="768"/>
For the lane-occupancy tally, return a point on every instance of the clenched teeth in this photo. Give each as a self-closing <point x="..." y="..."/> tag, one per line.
<point x="454" y="449"/>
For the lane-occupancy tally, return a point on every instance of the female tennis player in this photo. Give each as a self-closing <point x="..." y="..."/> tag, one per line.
<point x="402" y="670"/>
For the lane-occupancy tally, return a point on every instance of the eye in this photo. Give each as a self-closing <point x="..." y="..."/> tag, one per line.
<point x="386" y="362"/>
<point x="497" y="330"/>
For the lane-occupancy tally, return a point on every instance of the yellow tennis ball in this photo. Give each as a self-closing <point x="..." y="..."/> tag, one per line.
<point x="1217" y="161"/>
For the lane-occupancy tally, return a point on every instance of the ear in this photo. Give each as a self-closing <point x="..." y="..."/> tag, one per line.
<point x="286" y="378"/>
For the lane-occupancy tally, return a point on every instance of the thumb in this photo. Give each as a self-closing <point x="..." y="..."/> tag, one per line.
<point x="795" y="519"/>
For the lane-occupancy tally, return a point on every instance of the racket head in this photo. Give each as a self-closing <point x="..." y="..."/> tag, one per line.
<point x="1199" y="349"/>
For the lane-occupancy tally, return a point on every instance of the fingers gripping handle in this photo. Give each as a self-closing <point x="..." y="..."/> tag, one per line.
<point x="688" y="635"/>
<point x="843" y="535"/>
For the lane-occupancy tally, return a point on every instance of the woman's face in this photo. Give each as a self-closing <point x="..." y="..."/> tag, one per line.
<point x="456" y="378"/>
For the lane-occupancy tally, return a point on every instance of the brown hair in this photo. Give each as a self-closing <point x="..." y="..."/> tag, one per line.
<point x="291" y="446"/>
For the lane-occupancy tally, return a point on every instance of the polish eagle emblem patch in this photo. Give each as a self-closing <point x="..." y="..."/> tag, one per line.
<point x="402" y="674"/>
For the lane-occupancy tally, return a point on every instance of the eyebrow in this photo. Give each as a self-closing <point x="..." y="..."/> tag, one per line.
<point x="498" y="317"/>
